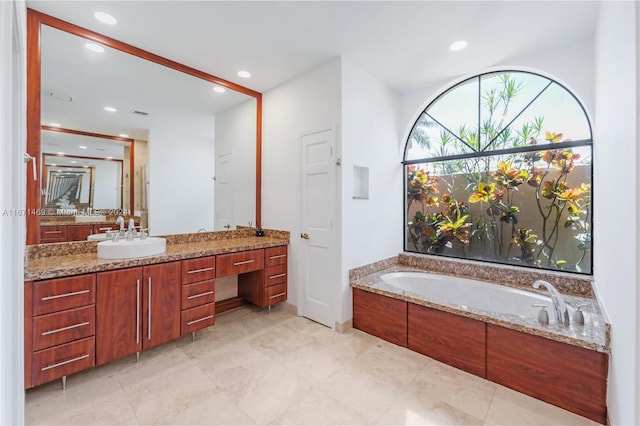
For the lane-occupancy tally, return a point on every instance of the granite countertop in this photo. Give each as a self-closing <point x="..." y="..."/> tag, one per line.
<point x="594" y="335"/>
<point x="57" y="260"/>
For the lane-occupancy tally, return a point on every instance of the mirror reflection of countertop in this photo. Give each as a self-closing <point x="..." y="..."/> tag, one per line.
<point x="45" y="261"/>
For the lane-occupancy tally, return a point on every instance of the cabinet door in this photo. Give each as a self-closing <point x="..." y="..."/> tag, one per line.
<point x="79" y="232"/>
<point x="161" y="303"/>
<point x="118" y="314"/>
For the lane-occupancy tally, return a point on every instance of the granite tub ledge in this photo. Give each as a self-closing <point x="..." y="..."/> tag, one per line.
<point x="45" y="261"/>
<point x="594" y="335"/>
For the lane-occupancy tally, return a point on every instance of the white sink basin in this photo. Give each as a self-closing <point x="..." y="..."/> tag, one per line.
<point x="124" y="249"/>
<point x="90" y="218"/>
<point x="97" y="237"/>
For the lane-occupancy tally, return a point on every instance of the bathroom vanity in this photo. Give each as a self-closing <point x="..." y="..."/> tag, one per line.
<point x="82" y="311"/>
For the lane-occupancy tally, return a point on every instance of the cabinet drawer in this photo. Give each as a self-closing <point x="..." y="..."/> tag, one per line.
<point x="275" y="275"/>
<point x="53" y="234"/>
<point x="239" y="263"/>
<point x="275" y="294"/>
<point x="101" y="229"/>
<point x="200" y="269"/>
<point x="63" y="327"/>
<point x="197" y="294"/>
<point x="63" y="293"/>
<point x="62" y="360"/>
<point x="197" y="318"/>
<point x="275" y="256"/>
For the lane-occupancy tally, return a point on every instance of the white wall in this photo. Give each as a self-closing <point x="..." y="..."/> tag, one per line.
<point x="616" y="172"/>
<point x="180" y="182"/>
<point x="236" y="134"/>
<point x="12" y="198"/>
<point x="371" y="229"/>
<point x="304" y="103"/>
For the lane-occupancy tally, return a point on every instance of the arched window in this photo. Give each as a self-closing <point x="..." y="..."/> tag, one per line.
<point x="498" y="169"/>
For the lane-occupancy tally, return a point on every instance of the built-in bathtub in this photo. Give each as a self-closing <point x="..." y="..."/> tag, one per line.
<point x="492" y="331"/>
<point x="471" y="295"/>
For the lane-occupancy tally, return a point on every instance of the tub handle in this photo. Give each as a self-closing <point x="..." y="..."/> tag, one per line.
<point x="543" y="315"/>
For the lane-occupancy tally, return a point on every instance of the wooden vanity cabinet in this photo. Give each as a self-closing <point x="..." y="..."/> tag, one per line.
<point x="60" y="324"/>
<point x="198" y="305"/>
<point x="138" y="308"/>
<point x="267" y="286"/>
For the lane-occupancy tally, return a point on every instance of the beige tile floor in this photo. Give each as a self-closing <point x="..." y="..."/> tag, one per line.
<point x="255" y="367"/>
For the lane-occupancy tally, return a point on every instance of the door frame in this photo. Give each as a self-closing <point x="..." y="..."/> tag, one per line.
<point x="335" y="208"/>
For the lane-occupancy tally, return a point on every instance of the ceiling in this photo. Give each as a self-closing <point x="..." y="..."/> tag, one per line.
<point x="403" y="44"/>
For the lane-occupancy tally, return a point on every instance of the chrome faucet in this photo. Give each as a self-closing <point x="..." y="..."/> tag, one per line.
<point x="559" y="307"/>
<point x="120" y="222"/>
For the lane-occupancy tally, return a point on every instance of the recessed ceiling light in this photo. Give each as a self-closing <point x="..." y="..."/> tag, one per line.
<point x="244" y="74"/>
<point x="123" y="135"/>
<point x="60" y="153"/>
<point x="110" y="109"/>
<point x="109" y="158"/>
<point x="219" y="89"/>
<point x="54" y="124"/>
<point x="94" y="47"/>
<point x="457" y="45"/>
<point x="105" y="18"/>
<point x="82" y="147"/>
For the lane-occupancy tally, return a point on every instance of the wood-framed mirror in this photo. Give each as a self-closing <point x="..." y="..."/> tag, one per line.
<point x="236" y="122"/>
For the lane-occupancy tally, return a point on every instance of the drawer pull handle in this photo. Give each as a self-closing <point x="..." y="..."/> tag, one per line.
<point x="57" y="296"/>
<point x="53" y="232"/>
<point x="195" y="271"/>
<point x="273" y="277"/>
<point x="105" y="229"/>
<point x="277" y="257"/>
<point x="244" y="263"/>
<point x="58" y="330"/>
<point x="69" y="361"/>
<point x="277" y="295"/>
<point x="199" y="320"/>
<point x="200" y="295"/>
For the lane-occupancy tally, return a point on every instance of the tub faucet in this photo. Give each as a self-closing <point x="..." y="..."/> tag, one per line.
<point x="559" y="307"/>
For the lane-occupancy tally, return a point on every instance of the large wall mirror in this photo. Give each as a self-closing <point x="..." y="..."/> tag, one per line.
<point x="186" y="144"/>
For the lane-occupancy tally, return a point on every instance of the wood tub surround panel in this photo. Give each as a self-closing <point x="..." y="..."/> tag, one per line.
<point x="380" y="316"/>
<point x="451" y="339"/>
<point x="567" y="376"/>
<point x="563" y="375"/>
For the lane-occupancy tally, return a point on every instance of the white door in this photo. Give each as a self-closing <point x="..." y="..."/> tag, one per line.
<point x="318" y="278"/>
<point x="223" y="203"/>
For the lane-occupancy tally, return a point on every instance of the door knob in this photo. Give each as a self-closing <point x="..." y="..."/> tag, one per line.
<point x="305" y="236"/>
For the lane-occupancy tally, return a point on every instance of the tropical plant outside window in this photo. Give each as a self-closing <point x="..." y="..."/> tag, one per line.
<point x="498" y="169"/>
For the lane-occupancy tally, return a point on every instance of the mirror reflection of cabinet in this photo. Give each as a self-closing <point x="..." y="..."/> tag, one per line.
<point x="66" y="83"/>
